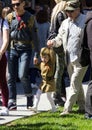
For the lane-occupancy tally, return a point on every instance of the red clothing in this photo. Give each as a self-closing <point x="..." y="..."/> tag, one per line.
<point x="3" y="82"/>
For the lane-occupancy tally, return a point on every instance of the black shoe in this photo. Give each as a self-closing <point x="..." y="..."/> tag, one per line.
<point x="87" y="116"/>
<point x="29" y="102"/>
<point x="0" y="103"/>
<point x="12" y="106"/>
<point x="59" y="102"/>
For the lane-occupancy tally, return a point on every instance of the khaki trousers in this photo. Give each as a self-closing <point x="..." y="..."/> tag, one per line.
<point x="76" y="74"/>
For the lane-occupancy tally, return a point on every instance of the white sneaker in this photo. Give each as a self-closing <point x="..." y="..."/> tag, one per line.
<point x="33" y="109"/>
<point x="64" y="113"/>
<point x="4" y="111"/>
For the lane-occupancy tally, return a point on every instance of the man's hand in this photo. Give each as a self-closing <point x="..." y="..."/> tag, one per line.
<point x="35" y="61"/>
<point x="50" y="43"/>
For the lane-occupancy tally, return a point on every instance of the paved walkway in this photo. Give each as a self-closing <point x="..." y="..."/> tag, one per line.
<point x="22" y="110"/>
<point x="21" y="102"/>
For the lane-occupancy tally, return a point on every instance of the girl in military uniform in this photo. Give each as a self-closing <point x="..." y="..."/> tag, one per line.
<point x="47" y="67"/>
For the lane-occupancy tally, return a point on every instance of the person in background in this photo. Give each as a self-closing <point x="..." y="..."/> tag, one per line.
<point x="88" y="32"/>
<point x="28" y="7"/>
<point x="43" y="30"/>
<point x="4" y="41"/>
<point x="38" y="7"/>
<point x="22" y="33"/>
<point x="71" y="36"/>
<point x="43" y="25"/>
<point x="5" y="11"/>
<point x="48" y="9"/>
<point x="57" y="16"/>
<point x="47" y="67"/>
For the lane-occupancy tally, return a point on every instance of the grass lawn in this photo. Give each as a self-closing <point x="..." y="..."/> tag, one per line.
<point x="51" y="121"/>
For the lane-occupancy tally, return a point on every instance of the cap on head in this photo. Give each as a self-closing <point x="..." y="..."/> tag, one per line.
<point x="72" y="5"/>
<point x="57" y="1"/>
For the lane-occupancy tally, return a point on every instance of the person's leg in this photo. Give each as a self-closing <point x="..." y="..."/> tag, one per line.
<point x="3" y="82"/>
<point x="12" y="58"/>
<point x="76" y="74"/>
<point x="58" y="78"/>
<point x="36" y="100"/>
<point x="88" y="102"/>
<point x="23" y="71"/>
<point x="30" y="101"/>
<point x="3" y="86"/>
<point x="49" y="97"/>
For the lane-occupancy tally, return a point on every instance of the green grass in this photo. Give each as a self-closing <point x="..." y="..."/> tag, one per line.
<point x="50" y="121"/>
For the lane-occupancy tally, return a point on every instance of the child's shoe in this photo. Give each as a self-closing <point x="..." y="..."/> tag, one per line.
<point x="34" y="109"/>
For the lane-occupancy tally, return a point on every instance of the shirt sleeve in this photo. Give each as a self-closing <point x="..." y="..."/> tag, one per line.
<point x="5" y="24"/>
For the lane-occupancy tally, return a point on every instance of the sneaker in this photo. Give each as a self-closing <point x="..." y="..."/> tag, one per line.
<point x="12" y="106"/>
<point x="29" y="102"/>
<point x="58" y="101"/>
<point x="34" y="109"/>
<point x="4" y="112"/>
<point x="64" y="113"/>
<point x="87" y="116"/>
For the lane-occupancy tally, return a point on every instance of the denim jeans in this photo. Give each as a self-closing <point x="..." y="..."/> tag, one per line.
<point x="18" y="63"/>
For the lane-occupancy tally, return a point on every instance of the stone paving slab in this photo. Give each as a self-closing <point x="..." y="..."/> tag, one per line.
<point x="22" y="110"/>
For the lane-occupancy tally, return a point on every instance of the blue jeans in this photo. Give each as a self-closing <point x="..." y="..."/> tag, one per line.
<point x="18" y="63"/>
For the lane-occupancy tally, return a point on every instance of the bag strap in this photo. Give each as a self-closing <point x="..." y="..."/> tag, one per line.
<point x="2" y="24"/>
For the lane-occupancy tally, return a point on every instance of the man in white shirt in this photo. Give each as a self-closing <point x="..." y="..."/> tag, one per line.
<point x="70" y="35"/>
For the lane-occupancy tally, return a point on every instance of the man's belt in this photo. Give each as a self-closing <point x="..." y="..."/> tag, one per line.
<point x="20" y="42"/>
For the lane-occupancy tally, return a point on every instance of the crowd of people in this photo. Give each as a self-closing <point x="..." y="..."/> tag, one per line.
<point x="43" y="44"/>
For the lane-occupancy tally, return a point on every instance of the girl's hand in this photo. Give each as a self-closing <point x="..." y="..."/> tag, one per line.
<point x="35" y="61"/>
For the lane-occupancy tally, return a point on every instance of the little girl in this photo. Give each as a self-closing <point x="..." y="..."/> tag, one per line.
<point x="47" y="67"/>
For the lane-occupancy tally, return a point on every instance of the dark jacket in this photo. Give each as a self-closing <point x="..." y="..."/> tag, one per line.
<point x="54" y="30"/>
<point x="55" y="25"/>
<point x="89" y="32"/>
<point x="23" y="32"/>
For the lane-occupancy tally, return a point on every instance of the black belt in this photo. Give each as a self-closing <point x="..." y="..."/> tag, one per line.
<point x="20" y="42"/>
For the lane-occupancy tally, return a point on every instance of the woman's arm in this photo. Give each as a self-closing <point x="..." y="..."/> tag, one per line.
<point x="5" y="42"/>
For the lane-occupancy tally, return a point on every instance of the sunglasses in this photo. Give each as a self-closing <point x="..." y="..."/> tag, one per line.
<point x="68" y="11"/>
<point x="16" y="4"/>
